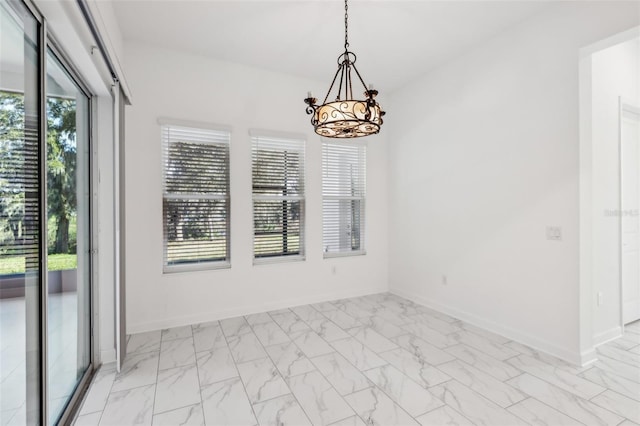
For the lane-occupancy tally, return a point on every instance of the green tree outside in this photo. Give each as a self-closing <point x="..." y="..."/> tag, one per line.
<point x="61" y="180"/>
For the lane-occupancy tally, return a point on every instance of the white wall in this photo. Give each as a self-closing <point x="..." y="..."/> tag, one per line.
<point x="188" y="87"/>
<point x="484" y="157"/>
<point x="614" y="73"/>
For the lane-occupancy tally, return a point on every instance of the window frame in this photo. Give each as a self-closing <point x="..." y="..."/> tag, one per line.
<point x="207" y="265"/>
<point x="255" y="134"/>
<point x="363" y="199"/>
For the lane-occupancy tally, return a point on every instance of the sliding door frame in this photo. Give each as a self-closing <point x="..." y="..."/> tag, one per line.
<point x="77" y="78"/>
<point x="48" y="42"/>
<point x="43" y="398"/>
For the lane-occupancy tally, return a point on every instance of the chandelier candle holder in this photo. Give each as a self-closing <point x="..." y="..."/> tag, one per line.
<point x="346" y="117"/>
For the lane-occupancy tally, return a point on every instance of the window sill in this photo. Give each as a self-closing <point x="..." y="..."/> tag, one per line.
<point x="196" y="267"/>
<point x="344" y="254"/>
<point x="278" y="259"/>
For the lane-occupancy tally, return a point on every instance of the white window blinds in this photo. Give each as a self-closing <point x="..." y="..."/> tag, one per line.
<point x="195" y="197"/>
<point x="278" y="196"/>
<point x="343" y="198"/>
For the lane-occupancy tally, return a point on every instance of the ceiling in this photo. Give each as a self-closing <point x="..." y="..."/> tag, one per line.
<point x="395" y="40"/>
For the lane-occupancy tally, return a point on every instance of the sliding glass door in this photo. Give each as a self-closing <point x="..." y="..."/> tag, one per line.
<point x="45" y="227"/>
<point x="68" y="235"/>
<point x="21" y="208"/>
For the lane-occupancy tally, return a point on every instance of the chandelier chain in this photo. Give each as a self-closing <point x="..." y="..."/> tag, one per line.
<point x="346" y="25"/>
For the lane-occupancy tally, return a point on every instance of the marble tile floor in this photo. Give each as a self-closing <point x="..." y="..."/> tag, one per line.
<point x="372" y="360"/>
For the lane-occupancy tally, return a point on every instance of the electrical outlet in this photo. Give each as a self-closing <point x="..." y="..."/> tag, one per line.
<point x="554" y="233"/>
<point x="444" y="280"/>
<point x="599" y="298"/>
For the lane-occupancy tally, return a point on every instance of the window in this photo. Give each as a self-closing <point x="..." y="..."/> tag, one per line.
<point x="196" y="197"/>
<point x="343" y="198"/>
<point x="278" y="197"/>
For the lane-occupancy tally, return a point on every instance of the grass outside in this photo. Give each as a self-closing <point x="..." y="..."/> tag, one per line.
<point x="185" y="251"/>
<point x="270" y="244"/>
<point x="195" y="250"/>
<point x="177" y="251"/>
<point x="56" y="262"/>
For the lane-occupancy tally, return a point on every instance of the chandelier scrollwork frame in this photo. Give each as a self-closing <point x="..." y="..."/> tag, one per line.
<point x="346" y="117"/>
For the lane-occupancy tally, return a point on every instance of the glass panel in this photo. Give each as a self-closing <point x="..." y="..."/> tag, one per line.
<point x="195" y="202"/>
<point x="196" y="230"/>
<point x="278" y="197"/>
<point x="68" y="230"/>
<point x="277" y="227"/>
<point x="19" y="216"/>
<point x="343" y="192"/>
<point x="342" y="225"/>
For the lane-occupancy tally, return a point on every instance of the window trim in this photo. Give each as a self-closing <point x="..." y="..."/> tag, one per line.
<point x="165" y="121"/>
<point x="357" y="144"/>
<point x="290" y="136"/>
<point x="332" y="254"/>
<point x="196" y="266"/>
<point x="269" y="260"/>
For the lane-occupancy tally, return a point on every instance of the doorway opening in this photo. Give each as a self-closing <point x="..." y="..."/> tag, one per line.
<point x="629" y="130"/>
<point x="609" y="189"/>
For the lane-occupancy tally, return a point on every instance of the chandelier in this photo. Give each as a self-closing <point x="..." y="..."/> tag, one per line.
<point x="346" y="117"/>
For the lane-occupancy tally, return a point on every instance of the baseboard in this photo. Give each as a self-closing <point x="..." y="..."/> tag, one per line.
<point x="588" y="357"/>
<point x="107" y="356"/>
<point x="247" y="310"/>
<point x="607" y="336"/>
<point x="508" y="332"/>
